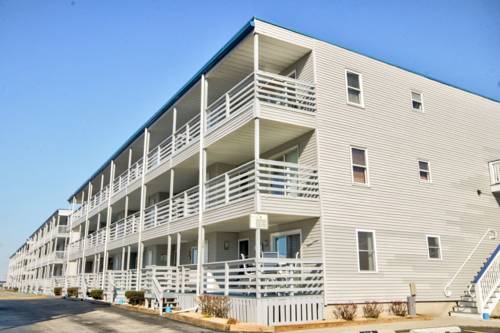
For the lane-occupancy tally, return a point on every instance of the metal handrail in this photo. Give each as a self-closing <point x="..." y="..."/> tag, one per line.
<point x="493" y="236"/>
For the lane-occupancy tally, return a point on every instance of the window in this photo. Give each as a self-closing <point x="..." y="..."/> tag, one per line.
<point x="424" y="171"/>
<point x="359" y="163"/>
<point x="416" y="101"/>
<point x="354" y="92"/>
<point x="366" y="251"/>
<point x="287" y="244"/>
<point x="434" y="247"/>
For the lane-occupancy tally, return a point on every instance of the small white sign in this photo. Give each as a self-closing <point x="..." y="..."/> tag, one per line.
<point x="259" y="221"/>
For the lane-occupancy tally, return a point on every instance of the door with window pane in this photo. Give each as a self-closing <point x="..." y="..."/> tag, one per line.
<point x="287" y="246"/>
<point x="286" y="181"/>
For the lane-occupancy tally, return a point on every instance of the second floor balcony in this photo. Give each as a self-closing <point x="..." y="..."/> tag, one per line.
<point x="276" y="187"/>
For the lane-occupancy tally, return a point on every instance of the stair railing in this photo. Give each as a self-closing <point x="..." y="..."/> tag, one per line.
<point x="158" y="291"/>
<point x="487" y="281"/>
<point x="493" y="235"/>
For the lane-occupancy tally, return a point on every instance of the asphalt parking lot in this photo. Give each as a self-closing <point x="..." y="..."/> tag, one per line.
<point x="49" y="315"/>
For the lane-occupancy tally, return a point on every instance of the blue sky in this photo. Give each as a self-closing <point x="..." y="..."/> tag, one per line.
<point x="78" y="77"/>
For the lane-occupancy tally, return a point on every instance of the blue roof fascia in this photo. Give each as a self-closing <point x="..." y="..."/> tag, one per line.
<point x="235" y="40"/>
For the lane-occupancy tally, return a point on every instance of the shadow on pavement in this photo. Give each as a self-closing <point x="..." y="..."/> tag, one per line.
<point x="16" y="313"/>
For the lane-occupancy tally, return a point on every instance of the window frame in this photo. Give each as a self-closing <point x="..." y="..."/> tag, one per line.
<point x="375" y="252"/>
<point x="277" y="234"/>
<point x="429" y="180"/>
<point x="367" y="166"/>
<point x="361" y="96"/>
<point x="412" y="91"/>
<point x="440" y="247"/>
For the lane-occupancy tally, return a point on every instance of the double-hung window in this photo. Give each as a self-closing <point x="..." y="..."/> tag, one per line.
<point x="434" y="247"/>
<point x="416" y="101"/>
<point x="424" y="171"/>
<point x="359" y="161"/>
<point x="367" y="257"/>
<point x="354" y="88"/>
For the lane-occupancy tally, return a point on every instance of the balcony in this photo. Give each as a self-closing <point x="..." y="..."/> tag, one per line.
<point x="124" y="227"/>
<point x="62" y="229"/>
<point x="277" y="98"/>
<point x="95" y="239"/>
<point x="495" y="176"/>
<point x="268" y="90"/>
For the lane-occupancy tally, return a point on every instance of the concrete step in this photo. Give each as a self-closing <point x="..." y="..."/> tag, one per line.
<point x="464" y="309"/>
<point x="465" y="315"/>
<point x="467" y="299"/>
<point x="467" y="304"/>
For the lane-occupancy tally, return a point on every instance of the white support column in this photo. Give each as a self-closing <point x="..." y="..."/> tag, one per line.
<point x="128" y="256"/>
<point x="98" y="221"/>
<point x="130" y="152"/>
<point x="257" y="193"/>
<point x="202" y="173"/>
<point x="109" y="214"/>
<point x="171" y="196"/>
<point x="174" y="128"/>
<point x="255" y="52"/>
<point x="122" y="267"/>
<point x="102" y="182"/>
<point x="178" y="250"/>
<point x="169" y="249"/>
<point x="142" y="206"/>
<point x="126" y="206"/>
<point x="86" y="232"/>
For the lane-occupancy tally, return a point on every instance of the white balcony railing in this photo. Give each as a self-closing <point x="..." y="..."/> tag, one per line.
<point x="265" y="277"/>
<point x="63" y="229"/>
<point x="274" y="178"/>
<point x="181" y="205"/>
<point x="495" y="172"/>
<point x="124" y="227"/>
<point x="187" y="134"/>
<point x="59" y="255"/>
<point x="267" y="88"/>
<point x="127" y="177"/>
<point x="96" y="238"/>
<point x="99" y="198"/>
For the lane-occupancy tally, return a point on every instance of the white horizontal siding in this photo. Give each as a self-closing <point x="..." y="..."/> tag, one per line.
<point x="458" y="133"/>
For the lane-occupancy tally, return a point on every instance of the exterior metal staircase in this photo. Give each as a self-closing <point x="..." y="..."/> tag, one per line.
<point x="482" y="296"/>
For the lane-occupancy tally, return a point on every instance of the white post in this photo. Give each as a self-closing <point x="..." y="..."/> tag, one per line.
<point x="109" y="214"/>
<point x="128" y="257"/>
<point x="174" y="129"/>
<point x="257" y="193"/>
<point x="123" y="258"/>
<point x="86" y="232"/>
<point x="171" y="195"/>
<point x="142" y="207"/>
<point x="255" y="52"/>
<point x="201" y="176"/>
<point x="226" y="279"/>
<point x="169" y="249"/>
<point x="178" y="251"/>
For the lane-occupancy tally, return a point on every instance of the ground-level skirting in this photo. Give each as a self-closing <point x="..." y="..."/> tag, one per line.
<point x="269" y="311"/>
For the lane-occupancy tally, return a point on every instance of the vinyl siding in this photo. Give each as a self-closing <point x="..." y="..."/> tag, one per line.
<point x="458" y="133"/>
